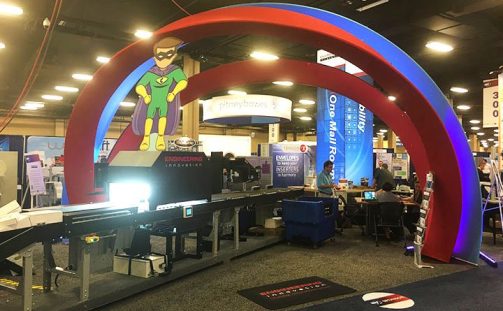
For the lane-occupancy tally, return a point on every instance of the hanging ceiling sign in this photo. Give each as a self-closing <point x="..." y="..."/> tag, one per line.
<point x="247" y="109"/>
<point x="490" y="103"/>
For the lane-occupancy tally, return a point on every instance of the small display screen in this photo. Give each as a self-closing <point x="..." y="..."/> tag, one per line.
<point x="187" y="211"/>
<point x="369" y="195"/>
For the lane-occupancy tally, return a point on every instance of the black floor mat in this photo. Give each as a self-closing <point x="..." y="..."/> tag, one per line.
<point x="475" y="289"/>
<point x="294" y="292"/>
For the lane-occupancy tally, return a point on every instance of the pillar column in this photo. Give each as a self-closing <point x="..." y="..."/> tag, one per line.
<point x="274" y="133"/>
<point x="380" y="141"/>
<point x="190" y="122"/>
<point x="392" y="140"/>
<point x="474" y="142"/>
<point x="59" y="127"/>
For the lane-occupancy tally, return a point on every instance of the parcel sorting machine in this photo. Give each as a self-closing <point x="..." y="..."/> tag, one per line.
<point x="88" y="225"/>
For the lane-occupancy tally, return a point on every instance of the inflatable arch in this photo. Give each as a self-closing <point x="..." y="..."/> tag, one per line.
<point x="423" y="118"/>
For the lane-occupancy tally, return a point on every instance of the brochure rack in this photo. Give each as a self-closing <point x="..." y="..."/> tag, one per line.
<point x="422" y="224"/>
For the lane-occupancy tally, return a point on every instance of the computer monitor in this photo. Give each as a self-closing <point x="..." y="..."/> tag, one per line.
<point x="369" y="196"/>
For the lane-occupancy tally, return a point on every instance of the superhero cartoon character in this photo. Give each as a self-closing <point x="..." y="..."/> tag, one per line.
<point x="159" y="90"/>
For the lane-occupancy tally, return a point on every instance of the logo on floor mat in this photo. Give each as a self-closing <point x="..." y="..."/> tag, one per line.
<point x="388" y="300"/>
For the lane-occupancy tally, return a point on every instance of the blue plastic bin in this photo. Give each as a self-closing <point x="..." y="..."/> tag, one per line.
<point x="308" y="220"/>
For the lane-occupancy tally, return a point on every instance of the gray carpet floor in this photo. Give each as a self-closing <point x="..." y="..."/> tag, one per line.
<point x="351" y="260"/>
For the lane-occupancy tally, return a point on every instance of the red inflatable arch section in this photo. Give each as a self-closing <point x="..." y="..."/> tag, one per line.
<point x="414" y="120"/>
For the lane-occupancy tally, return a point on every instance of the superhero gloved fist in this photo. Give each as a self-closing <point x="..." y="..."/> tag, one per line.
<point x="170" y="97"/>
<point x="147" y="99"/>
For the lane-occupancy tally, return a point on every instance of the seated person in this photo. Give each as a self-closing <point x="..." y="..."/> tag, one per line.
<point x="384" y="196"/>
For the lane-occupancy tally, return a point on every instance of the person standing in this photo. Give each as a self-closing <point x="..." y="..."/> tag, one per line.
<point x="382" y="176"/>
<point x="324" y="180"/>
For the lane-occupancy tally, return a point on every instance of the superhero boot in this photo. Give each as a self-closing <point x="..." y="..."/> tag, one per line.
<point x="160" y="144"/>
<point x="145" y="143"/>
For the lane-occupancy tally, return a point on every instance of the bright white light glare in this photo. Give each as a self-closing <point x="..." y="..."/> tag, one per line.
<point x="496" y="131"/>
<point x="36" y="105"/>
<point x="491" y="139"/>
<point x="6" y="9"/>
<point x="2" y="45"/>
<point x="283" y="83"/>
<point x="102" y="59"/>
<point x="305" y="118"/>
<point x="236" y="92"/>
<point x="52" y="97"/>
<point x="200" y="101"/>
<point x="383" y="130"/>
<point x="392" y="98"/>
<point x="496" y="135"/>
<point x="371" y="5"/>
<point x="82" y="76"/>
<point x="143" y="34"/>
<point x="307" y="102"/>
<point x="475" y="121"/>
<point x="264" y="56"/>
<point x="457" y="89"/>
<point x="300" y="110"/>
<point x="129" y="192"/>
<point x="67" y="89"/>
<point x="24" y="107"/>
<point x="480" y="134"/>
<point x="380" y="134"/>
<point x="475" y="128"/>
<point x="127" y="104"/>
<point x="439" y="46"/>
<point x="464" y="107"/>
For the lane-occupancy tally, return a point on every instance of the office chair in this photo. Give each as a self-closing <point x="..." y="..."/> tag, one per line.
<point x="388" y="214"/>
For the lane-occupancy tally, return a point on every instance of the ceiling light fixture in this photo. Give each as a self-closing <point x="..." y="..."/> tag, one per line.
<point x="24" y="107"/>
<point x="475" y="121"/>
<point x="371" y="5"/>
<point x="496" y="135"/>
<point x="236" y="92"/>
<point x="383" y="130"/>
<point x="480" y="134"/>
<point x="6" y="9"/>
<point x="457" y="89"/>
<point x="264" y="56"/>
<point x="143" y="34"/>
<point x="307" y="102"/>
<point x="305" y="118"/>
<point x="475" y="128"/>
<point x="464" y="107"/>
<point x="439" y="46"/>
<point x="52" y="97"/>
<point x="67" y="89"/>
<point x="82" y="76"/>
<point x="102" y="59"/>
<point x="490" y="139"/>
<point x="36" y="105"/>
<point x="283" y="83"/>
<point x="301" y="110"/>
<point x="127" y="104"/>
<point x="392" y="98"/>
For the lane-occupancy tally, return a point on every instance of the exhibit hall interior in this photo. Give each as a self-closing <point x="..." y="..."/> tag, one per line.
<point x="250" y="155"/>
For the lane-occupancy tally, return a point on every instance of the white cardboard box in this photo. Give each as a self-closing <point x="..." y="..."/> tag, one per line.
<point x="273" y="223"/>
<point x="139" y="267"/>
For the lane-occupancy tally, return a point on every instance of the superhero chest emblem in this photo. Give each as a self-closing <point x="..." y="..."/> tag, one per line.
<point x="161" y="80"/>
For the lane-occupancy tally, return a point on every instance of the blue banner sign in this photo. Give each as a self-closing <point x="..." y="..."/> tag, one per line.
<point x="344" y="136"/>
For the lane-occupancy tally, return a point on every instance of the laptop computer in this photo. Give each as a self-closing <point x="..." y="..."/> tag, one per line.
<point x="369" y="196"/>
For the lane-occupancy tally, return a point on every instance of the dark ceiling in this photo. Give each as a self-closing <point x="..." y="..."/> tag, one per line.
<point x="88" y="28"/>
